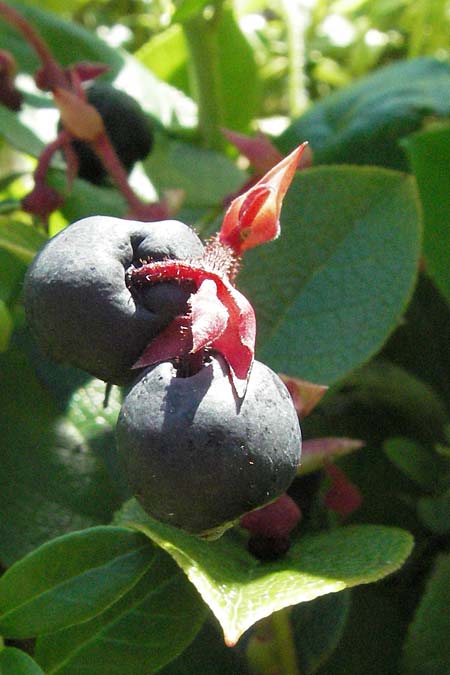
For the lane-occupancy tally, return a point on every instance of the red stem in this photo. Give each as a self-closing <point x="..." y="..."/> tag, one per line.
<point x="113" y="165"/>
<point x="46" y="156"/>
<point x="54" y="71"/>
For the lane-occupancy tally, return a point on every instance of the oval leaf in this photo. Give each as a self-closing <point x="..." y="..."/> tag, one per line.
<point x="16" y="662"/>
<point x="147" y="628"/>
<point x="240" y="590"/>
<point x="323" y="293"/>
<point x="426" y="649"/>
<point x="70" y="580"/>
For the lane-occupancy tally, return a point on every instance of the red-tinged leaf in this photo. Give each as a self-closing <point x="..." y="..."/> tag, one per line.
<point x="171" y="343"/>
<point x="258" y="149"/>
<point x="305" y="395"/>
<point x="209" y="316"/>
<point x="253" y="218"/>
<point x="318" y="452"/>
<point x="343" y="497"/>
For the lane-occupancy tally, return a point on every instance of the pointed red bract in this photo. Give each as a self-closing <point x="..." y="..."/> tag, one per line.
<point x="221" y="319"/>
<point x="253" y="218"/>
<point x="209" y="317"/>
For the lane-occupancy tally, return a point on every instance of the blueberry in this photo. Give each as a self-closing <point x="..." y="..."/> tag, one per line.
<point x="127" y="126"/>
<point x="198" y="458"/>
<point x="77" y="302"/>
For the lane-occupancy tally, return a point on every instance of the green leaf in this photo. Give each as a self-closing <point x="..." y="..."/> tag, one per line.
<point x="209" y="655"/>
<point x="18" y="134"/>
<point x="86" y="199"/>
<point x="323" y="292"/>
<point x="170" y="166"/>
<point x="434" y="512"/>
<point x="317" y="629"/>
<point x="363" y="123"/>
<point x="238" y="74"/>
<point x="240" y="590"/>
<point x="165" y="54"/>
<point x="70" y="580"/>
<point x="6" y="326"/>
<point x="429" y="155"/>
<point x="52" y="480"/>
<point x="16" y="662"/>
<point x="414" y="461"/>
<point x="186" y="9"/>
<point x="147" y="628"/>
<point x="21" y="240"/>
<point x="12" y="272"/>
<point x="426" y="649"/>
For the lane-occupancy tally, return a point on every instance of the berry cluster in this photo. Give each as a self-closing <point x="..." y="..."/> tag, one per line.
<point x="206" y="434"/>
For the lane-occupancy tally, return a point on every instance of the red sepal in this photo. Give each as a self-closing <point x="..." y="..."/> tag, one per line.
<point x="253" y="218"/>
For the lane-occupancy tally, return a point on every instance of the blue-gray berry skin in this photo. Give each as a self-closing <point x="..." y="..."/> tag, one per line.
<point x="194" y="457"/>
<point x="77" y="302"/>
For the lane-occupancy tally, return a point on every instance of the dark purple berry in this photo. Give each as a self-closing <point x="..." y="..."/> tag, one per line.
<point x="198" y="458"/>
<point x="77" y="302"/>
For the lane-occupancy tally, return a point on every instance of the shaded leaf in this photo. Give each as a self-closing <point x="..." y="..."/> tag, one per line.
<point x="16" y="662"/>
<point x="71" y="579"/>
<point x="147" y="628"/>
<point x="51" y="481"/>
<point x="426" y="649"/>
<point x="6" y="326"/>
<point x="434" y="512"/>
<point x="317" y="628"/>
<point x="170" y="163"/>
<point x="323" y="292"/>
<point x="363" y="123"/>
<point x="429" y="155"/>
<point x="240" y="589"/>
<point x="414" y="461"/>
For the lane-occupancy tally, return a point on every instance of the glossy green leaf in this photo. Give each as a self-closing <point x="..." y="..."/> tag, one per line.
<point x="363" y="123"/>
<point x="6" y="326"/>
<point x="170" y="167"/>
<point x="21" y="240"/>
<point x="323" y="292"/>
<point x="426" y="650"/>
<point x="147" y="628"/>
<point x="429" y="155"/>
<point x="240" y="589"/>
<point x="52" y="480"/>
<point x="16" y="662"/>
<point x="317" y="628"/>
<point x="71" y="579"/>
